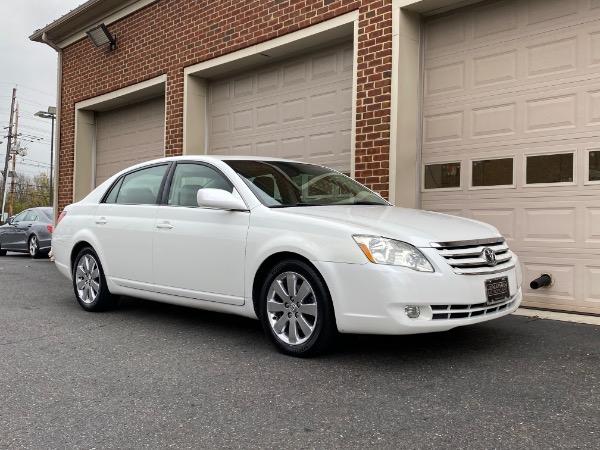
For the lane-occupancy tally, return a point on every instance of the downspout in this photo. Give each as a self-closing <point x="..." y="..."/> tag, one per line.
<point x="56" y="136"/>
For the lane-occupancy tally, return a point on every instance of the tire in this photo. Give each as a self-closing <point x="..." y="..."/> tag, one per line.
<point x="2" y="252"/>
<point x="297" y="326"/>
<point x="34" y="247"/>
<point x="89" y="283"/>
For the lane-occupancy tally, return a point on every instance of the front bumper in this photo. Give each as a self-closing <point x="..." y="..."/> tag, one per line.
<point x="371" y="298"/>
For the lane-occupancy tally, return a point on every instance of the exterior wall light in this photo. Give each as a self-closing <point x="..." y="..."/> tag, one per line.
<point x="101" y="36"/>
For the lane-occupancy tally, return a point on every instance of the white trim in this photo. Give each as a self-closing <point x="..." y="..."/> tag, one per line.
<point x="552" y="153"/>
<point x="354" y="99"/>
<point x="118" y="97"/>
<point x="270" y="48"/>
<point x="118" y="15"/>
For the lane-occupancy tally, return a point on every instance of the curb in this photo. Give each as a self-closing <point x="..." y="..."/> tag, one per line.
<point x="563" y="317"/>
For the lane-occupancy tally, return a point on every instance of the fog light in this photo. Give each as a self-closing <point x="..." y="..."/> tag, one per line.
<point x="412" y="311"/>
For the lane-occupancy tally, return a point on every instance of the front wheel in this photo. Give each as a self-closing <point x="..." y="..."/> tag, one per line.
<point x="89" y="282"/>
<point x="34" y="247"/>
<point x="295" y="309"/>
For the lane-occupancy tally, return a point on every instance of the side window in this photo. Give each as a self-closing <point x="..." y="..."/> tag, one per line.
<point x="31" y="217"/>
<point x="112" y="195"/>
<point x="140" y="187"/>
<point x="20" y="217"/>
<point x="189" y="178"/>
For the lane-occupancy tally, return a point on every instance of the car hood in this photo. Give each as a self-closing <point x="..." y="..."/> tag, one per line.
<point x="417" y="227"/>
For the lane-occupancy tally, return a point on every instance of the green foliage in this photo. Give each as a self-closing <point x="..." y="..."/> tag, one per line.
<point x="29" y="192"/>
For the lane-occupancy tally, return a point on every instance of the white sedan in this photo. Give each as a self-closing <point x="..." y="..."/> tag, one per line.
<point x="303" y="248"/>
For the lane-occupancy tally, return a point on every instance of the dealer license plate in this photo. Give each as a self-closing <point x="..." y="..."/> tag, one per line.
<point x="497" y="290"/>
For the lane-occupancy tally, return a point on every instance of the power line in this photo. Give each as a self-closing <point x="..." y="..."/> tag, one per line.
<point x="27" y="87"/>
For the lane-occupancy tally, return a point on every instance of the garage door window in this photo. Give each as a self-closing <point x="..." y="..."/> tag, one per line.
<point x="549" y="169"/>
<point x="594" y="165"/>
<point x="492" y="172"/>
<point x="442" y="176"/>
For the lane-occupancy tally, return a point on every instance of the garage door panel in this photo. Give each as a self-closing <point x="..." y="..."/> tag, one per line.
<point x="129" y="135"/>
<point x="299" y="109"/>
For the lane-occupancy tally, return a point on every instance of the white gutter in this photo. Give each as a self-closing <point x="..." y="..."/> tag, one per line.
<point x="56" y="136"/>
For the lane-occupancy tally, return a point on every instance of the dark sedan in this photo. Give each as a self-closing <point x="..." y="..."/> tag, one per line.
<point x="28" y="232"/>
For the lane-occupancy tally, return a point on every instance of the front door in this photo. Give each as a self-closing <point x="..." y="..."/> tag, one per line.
<point x="199" y="252"/>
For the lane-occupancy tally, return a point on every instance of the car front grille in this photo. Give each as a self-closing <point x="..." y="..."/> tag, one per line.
<point x="468" y="257"/>
<point x="445" y="312"/>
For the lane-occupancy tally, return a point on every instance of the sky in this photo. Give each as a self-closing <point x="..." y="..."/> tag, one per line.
<point x="31" y="68"/>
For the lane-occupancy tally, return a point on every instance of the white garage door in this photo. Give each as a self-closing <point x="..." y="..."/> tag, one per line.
<point x="298" y="109"/>
<point x="511" y="135"/>
<point x="129" y="135"/>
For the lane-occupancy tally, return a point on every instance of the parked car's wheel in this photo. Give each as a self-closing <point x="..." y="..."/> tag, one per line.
<point x="2" y="252"/>
<point x="89" y="282"/>
<point x="34" y="247"/>
<point x="295" y="309"/>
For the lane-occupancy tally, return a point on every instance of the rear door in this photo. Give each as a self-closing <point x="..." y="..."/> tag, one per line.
<point x="124" y="225"/>
<point x="199" y="252"/>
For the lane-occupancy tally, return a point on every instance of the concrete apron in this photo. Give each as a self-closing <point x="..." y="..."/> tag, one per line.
<point x="553" y="315"/>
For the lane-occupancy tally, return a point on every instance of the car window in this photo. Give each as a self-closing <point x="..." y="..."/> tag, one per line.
<point x="48" y="212"/>
<point x="138" y="188"/>
<point x="31" y="217"/>
<point x="189" y="178"/>
<point x="20" y="217"/>
<point x="285" y="183"/>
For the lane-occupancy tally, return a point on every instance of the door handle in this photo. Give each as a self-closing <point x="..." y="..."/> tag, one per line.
<point x="29" y="226"/>
<point x="164" y="225"/>
<point x="101" y="221"/>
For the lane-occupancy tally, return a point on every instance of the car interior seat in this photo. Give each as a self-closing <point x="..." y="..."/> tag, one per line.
<point x="188" y="196"/>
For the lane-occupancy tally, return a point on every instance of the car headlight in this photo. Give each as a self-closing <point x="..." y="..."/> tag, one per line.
<point x="380" y="250"/>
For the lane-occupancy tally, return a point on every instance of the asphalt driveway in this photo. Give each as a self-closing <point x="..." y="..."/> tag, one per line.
<point x="149" y="375"/>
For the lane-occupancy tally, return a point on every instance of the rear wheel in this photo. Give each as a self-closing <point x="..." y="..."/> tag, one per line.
<point x="295" y="309"/>
<point x="34" y="247"/>
<point x="89" y="282"/>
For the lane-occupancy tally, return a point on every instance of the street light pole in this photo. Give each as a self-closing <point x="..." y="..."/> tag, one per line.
<point x="51" y="114"/>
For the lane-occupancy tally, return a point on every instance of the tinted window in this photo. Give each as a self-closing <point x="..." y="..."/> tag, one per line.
<point x="189" y="178"/>
<point x="48" y="212"/>
<point x="140" y="187"/>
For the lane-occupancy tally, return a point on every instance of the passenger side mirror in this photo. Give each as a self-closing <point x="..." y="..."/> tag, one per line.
<point x="219" y="199"/>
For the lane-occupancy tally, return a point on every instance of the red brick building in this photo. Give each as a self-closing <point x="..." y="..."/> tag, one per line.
<point x="487" y="109"/>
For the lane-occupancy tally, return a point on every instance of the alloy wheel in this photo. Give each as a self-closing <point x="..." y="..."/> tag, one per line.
<point x="33" y="246"/>
<point x="292" y="308"/>
<point x="87" y="279"/>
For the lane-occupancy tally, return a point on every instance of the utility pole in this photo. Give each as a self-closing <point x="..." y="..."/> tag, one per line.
<point x="15" y="149"/>
<point x="8" y="144"/>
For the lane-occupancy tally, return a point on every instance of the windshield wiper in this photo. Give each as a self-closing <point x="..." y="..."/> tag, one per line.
<point x="296" y="204"/>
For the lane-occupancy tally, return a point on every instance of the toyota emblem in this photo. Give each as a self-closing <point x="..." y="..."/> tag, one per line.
<point x="490" y="256"/>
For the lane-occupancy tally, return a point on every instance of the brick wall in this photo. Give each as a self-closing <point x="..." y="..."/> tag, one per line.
<point x="170" y="35"/>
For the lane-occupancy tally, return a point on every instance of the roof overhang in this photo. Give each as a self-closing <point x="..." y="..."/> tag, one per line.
<point x="72" y="26"/>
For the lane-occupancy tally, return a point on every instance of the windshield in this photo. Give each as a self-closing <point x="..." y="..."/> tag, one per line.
<point x="279" y="184"/>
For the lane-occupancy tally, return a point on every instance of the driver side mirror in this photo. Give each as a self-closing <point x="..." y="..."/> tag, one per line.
<point x="219" y="199"/>
<point x="9" y="220"/>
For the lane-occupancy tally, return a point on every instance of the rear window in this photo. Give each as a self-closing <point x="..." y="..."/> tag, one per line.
<point x="48" y="212"/>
